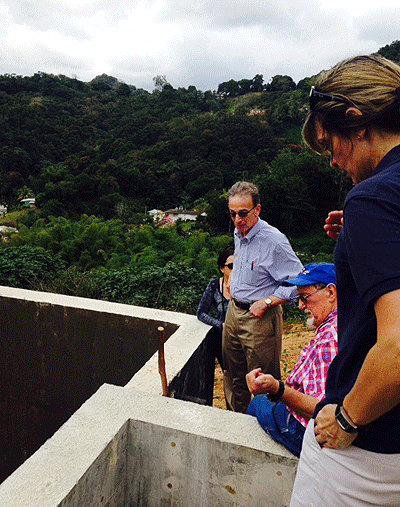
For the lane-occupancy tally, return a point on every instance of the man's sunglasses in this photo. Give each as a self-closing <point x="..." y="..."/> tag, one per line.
<point x="242" y="214"/>
<point x="316" y="96"/>
<point x="304" y="299"/>
<point x="229" y="266"/>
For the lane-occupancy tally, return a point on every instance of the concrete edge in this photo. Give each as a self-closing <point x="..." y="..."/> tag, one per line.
<point x="177" y="350"/>
<point x="48" y="476"/>
<point x="96" y="305"/>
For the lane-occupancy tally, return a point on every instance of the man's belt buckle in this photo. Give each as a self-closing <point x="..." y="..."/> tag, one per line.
<point x="243" y="306"/>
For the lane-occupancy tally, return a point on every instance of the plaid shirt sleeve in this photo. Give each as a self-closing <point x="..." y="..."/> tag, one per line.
<point x="309" y="374"/>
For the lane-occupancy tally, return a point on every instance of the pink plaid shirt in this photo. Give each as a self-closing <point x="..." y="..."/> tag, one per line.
<point x="309" y="374"/>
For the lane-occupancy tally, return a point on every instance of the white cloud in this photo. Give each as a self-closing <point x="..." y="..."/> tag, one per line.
<point x="202" y="43"/>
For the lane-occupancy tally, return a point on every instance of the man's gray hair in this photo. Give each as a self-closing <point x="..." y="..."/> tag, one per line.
<point x="245" y="188"/>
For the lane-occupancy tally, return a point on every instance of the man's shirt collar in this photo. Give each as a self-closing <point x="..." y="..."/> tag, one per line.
<point x="252" y="232"/>
<point x="328" y="318"/>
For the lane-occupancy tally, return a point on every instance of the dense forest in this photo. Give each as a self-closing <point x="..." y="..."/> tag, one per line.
<point x="96" y="156"/>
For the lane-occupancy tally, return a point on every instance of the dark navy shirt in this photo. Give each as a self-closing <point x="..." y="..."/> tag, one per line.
<point x="367" y="259"/>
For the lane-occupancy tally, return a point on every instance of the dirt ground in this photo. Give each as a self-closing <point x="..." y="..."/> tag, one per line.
<point x="295" y="337"/>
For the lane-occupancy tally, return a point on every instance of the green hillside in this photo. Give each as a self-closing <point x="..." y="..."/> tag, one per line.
<point x="97" y="155"/>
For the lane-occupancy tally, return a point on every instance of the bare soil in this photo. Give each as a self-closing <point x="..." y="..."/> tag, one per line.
<point x="295" y="336"/>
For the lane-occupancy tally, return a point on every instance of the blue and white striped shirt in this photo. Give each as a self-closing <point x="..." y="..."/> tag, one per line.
<point x="264" y="259"/>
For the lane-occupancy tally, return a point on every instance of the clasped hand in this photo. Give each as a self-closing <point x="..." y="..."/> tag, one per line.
<point x="261" y="383"/>
<point x="327" y="431"/>
<point x="258" y="308"/>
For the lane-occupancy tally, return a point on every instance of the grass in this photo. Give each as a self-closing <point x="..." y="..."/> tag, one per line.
<point x="11" y="219"/>
<point x="285" y="363"/>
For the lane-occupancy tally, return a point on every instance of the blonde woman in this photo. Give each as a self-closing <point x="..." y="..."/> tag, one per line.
<point x="351" y="454"/>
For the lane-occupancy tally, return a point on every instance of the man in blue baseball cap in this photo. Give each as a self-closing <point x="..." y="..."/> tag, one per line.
<point x="284" y="409"/>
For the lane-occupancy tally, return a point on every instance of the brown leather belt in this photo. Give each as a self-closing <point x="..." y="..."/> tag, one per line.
<point x="239" y="304"/>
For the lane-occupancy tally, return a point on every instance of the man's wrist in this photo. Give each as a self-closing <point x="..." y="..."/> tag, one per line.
<point x="268" y="301"/>
<point x="278" y="395"/>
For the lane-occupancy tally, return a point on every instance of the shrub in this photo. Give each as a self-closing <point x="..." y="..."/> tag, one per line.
<point x="28" y="267"/>
<point x="174" y="287"/>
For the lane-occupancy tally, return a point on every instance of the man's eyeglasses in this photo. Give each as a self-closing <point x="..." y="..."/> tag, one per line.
<point x="304" y="299"/>
<point x="316" y="96"/>
<point x="241" y="213"/>
<point x="229" y="266"/>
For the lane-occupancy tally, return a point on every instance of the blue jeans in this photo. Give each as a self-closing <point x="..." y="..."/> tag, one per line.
<point x="278" y="422"/>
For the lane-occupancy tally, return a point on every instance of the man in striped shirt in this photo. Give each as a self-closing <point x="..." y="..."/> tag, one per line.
<point x="283" y="409"/>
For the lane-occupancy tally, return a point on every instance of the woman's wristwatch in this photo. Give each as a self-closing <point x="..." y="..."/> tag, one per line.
<point x="344" y="421"/>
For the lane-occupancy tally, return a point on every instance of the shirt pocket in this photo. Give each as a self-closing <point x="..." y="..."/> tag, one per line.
<point x="253" y="274"/>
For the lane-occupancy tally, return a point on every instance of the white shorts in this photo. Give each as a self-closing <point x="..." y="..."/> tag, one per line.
<point x="350" y="477"/>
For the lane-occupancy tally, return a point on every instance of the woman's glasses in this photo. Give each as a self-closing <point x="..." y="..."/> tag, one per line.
<point x="316" y="96"/>
<point x="229" y="266"/>
<point x="241" y="213"/>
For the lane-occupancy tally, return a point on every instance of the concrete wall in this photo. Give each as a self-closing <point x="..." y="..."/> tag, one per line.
<point x="130" y="447"/>
<point x="58" y="350"/>
<point x="124" y="448"/>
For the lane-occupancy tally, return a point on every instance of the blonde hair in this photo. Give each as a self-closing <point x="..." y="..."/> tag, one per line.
<point x="369" y="83"/>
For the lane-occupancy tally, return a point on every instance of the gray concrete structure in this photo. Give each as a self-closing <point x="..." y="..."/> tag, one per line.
<point x="129" y="446"/>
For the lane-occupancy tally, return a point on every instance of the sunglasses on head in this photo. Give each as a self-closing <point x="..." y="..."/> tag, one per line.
<point x="241" y="213"/>
<point x="316" y="96"/>
<point x="229" y="266"/>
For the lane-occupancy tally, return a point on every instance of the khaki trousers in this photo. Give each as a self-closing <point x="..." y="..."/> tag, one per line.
<point x="249" y="342"/>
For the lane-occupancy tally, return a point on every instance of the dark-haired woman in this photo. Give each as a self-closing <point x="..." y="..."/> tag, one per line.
<point x="351" y="455"/>
<point x="215" y="300"/>
<point x="212" y="311"/>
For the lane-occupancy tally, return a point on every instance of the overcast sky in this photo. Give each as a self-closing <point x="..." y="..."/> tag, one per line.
<point x="191" y="42"/>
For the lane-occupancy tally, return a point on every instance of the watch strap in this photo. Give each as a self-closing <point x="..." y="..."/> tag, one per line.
<point x="344" y="421"/>
<point x="276" y="397"/>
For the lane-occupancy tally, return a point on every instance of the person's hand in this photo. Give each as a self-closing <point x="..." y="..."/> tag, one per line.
<point x="258" y="308"/>
<point x="334" y="224"/>
<point x="261" y="383"/>
<point x="228" y="285"/>
<point x="327" y="431"/>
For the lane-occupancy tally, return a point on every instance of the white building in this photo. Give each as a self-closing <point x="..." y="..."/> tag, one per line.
<point x="29" y="202"/>
<point x="180" y="213"/>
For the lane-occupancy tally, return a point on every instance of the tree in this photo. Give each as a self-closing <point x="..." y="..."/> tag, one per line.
<point x="281" y="84"/>
<point x="123" y="90"/>
<point x="257" y="83"/>
<point x="391" y="51"/>
<point x="159" y="82"/>
<point x="229" y="88"/>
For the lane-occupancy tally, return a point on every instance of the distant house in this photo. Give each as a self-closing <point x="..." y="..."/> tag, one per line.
<point x="156" y="214"/>
<point x="29" y="202"/>
<point x="180" y="213"/>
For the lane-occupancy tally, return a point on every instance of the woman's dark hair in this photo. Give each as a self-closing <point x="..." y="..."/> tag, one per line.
<point x="369" y="83"/>
<point x="223" y="256"/>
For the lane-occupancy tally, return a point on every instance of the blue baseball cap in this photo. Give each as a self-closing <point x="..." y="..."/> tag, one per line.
<point x="314" y="273"/>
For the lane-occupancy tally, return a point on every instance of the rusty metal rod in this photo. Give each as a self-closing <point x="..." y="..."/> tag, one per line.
<point x="161" y="361"/>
